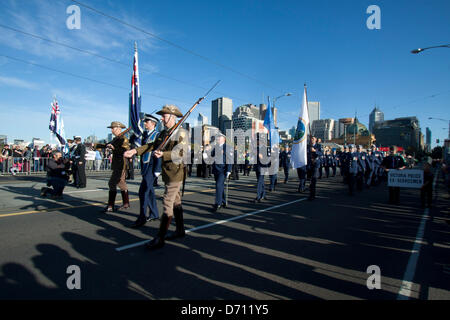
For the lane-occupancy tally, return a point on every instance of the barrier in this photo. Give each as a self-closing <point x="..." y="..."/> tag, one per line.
<point x="24" y="166"/>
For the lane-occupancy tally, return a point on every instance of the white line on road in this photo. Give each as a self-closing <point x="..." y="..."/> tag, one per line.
<point x="82" y="191"/>
<point x="137" y="244"/>
<point x="408" y="277"/>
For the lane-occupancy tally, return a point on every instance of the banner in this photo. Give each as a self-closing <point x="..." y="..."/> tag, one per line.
<point x="408" y="178"/>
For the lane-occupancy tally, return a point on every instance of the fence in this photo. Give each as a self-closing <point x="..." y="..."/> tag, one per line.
<point x="24" y="166"/>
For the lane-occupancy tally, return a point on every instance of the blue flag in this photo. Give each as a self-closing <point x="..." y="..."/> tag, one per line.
<point x="270" y="126"/>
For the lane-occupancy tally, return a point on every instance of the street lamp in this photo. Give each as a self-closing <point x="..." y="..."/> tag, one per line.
<point x="284" y="95"/>
<point x="431" y="118"/>
<point x="418" y="50"/>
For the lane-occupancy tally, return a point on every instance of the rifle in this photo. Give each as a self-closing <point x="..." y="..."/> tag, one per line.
<point x="103" y="146"/>
<point x="183" y="119"/>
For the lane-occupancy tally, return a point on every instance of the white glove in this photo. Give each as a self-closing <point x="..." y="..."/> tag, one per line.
<point x="228" y="174"/>
<point x="157" y="174"/>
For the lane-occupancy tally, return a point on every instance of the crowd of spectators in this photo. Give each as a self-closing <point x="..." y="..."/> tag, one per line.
<point x="29" y="159"/>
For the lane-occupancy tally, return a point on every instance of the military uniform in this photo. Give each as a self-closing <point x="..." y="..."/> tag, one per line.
<point x="221" y="169"/>
<point x="313" y="167"/>
<point x="79" y="164"/>
<point x="172" y="174"/>
<point x="150" y="169"/>
<point x="285" y="161"/>
<point x="260" y="170"/>
<point x="362" y="168"/>
<point x="352" y="170"/>
<point x="119" y="166"/>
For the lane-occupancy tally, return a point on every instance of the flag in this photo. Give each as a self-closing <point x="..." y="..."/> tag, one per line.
<point x="135" y="103"/>
<point x="298" y="152"/>
<point x="270" y="126"/>
<point x="56" y="125"/>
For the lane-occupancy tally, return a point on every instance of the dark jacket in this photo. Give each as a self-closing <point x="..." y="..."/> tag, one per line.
<point x="58" y="169"/>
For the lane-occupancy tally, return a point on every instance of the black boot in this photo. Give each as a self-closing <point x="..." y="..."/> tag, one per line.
<point x="111" y="200"/>
<point x="125" y="200"/>
<point x="179" y="222"/>
<point x="158" y="241"/>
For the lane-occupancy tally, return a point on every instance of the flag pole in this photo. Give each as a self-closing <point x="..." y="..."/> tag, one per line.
<point x="307" y="108"/>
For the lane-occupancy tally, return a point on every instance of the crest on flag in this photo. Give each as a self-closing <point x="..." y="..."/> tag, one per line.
<point x="300" y="133"/>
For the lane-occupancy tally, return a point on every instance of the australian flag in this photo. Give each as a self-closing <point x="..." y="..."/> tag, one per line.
<point x="56" y="125"/>
<point x="135" y="103"/>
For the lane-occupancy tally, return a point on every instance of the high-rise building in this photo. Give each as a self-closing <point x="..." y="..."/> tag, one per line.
<point x="3" y="139"/>
<point x="402" y="132"/>
<point x="313" y="111"/>
<point x="202" y="119"/>
<point x="428" y="140"/>
<point x="262" y="111"/>
<point x="221" y="110"/>
<point x="428" y="136"/>
<point x="323" y="129"/>
<point x="375" y="116"/>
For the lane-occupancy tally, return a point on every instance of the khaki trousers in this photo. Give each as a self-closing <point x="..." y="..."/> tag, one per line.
<point x="171" y="197"/>
<point x="118" y="179"/>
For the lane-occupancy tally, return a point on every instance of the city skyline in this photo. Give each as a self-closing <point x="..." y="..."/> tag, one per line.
<point x="375" y="68"/>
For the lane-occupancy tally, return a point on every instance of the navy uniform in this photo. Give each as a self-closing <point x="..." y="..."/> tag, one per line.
<point x="285" y="162"/>
<point x="334" y="162"/>
<point x="247" y="165"/>
<point x="79" y="161"/>
<point x="322" y="160"/>
<point x="370" y="160"/>
<point x="378" y="170"/>
<point x="352" y="170"/>
<point x="260" y="170"/>
<point x="273" y="178"/>
<point x="221" y="170"/>
<point x="362" y="168"/>
<point x="393" y="161"/>
<point x="150" y="170"/>
<point x="328" y="163"/>
<point x="314" y="152"/>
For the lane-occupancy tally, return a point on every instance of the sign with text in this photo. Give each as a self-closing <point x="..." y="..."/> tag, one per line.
<point x="405" y="178"/>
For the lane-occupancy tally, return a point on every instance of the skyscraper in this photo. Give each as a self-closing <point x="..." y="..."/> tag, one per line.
<point x="221" y="110"/>
<point x="202" y="119"/>
<point x="313" y="110"/>
<point x="428" y="136"/>
<point x="375" y="116"/>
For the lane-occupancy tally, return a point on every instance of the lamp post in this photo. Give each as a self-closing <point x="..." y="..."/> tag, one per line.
<point x="431" y="118"/>
<point x="419" y="50"/>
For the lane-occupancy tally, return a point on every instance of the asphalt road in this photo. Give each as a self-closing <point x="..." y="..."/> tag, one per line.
<point x="284" y="248"/>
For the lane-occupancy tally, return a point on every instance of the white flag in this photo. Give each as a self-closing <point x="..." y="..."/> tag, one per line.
<point x="298" y="153"/>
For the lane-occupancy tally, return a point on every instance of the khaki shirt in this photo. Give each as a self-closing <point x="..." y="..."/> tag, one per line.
<point x="171" y="171"/>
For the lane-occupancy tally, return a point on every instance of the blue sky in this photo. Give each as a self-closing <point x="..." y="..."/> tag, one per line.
<point x="281" y="44"/>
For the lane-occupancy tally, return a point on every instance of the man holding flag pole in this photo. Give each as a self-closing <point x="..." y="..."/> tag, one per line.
<point x="269" y="124"/>
<point x="134" y="111"/>
<point x="304" y="156"/>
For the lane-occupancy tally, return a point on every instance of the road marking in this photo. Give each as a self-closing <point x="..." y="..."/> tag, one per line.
<point x="140" y="243"/>
<point x="82" y="191"/>
<point x="408" y="277"/>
